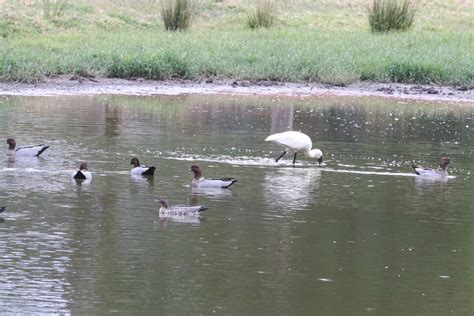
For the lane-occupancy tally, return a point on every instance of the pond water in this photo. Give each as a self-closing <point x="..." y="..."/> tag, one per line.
<point x="359" y="234"/>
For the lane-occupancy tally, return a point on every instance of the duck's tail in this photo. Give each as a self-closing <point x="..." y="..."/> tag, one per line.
<point x="414" y="166"/>
<point x="232" y="181"/>
<point x="42" y="150"/>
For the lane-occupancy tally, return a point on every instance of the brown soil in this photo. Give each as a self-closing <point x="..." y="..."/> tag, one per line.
<point x="75" y="85"/>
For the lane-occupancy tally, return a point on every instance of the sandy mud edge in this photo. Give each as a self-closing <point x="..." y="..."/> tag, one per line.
<point x="62" y="86"/>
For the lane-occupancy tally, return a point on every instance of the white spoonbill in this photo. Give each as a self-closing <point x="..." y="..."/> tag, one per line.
<point x="82" y="174"/>
<point x="31" y="151"/>
<point x="138" y="170"/>
<point x="427" y="172"/>
<point x="295" y="142"/>
<point x="201" y="182"/>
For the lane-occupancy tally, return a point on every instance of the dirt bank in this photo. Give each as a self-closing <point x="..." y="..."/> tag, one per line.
<point x="89" y="86"/>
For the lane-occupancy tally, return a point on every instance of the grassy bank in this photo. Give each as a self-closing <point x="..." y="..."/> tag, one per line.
<point x="312" y="41"/>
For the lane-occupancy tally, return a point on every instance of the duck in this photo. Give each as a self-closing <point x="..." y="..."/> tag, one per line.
<point x="178" y="210"/>
<point x="2" y="209"/>
<point x="296" y="142"/>
<point x="82" y="174"/>
<point x="200" y="182"/>
<point x="141" y="170"/>
<point x="29" y="151"/>
<point x="428" y="172"/>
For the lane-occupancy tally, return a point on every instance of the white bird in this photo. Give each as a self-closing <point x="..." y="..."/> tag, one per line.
<point x="178" y="210"/>
<point x="295" y="142"/>
<point x="82" y="174"/>
<point x="200" y="182"/>
<point x="31" y="151"/>
<point x="427" y="172"/>
<point x="141" y="170"/>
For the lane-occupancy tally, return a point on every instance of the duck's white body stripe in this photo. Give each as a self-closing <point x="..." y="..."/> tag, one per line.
<point x="139" y="170"/>
<point x="426" y="172"/>
<point x="212" y="183"/>
<point x="30" y="151"/>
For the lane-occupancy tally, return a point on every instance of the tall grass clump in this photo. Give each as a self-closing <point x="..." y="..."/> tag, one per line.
<point x="177" y="14"/>
<point x="391" y="15"/>
<point x="262" y="15"/>
<point x="54" y="10"/>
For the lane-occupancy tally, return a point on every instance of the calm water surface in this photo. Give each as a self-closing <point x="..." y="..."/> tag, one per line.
<point x="358" y="235"/>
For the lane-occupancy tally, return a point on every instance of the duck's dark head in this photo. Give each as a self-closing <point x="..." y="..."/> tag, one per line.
<point x="196" y="170"/>
<point x="11" y="143"/>
<point x="135" y="162"/>
<point x="83" y="166"/>
<point x="163" y="201"/>
<point x="445" y="161"/>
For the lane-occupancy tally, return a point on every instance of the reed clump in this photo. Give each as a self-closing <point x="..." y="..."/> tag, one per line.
<point x="262" y="15"/>
<point x="177" y="14"/>
<point x="391" y="15"/>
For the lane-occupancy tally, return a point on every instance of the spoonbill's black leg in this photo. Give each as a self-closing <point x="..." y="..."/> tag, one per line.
<point x="294" y="159"/>
<point x="280" y="156"/>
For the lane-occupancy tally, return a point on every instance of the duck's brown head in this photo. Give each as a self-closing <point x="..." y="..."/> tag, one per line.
<point x="163" y="201"/>
<point x="135" y="162"/>
<point x="11" y="143"/>
<point x="83" y="166"/>
<point x="445" y="161"/>
<point x="196" y="170"/>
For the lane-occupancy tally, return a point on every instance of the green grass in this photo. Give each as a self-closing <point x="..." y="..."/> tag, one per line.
<point x="329" y="43"/>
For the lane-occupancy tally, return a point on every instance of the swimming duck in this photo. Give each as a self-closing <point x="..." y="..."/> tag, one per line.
<point x="295" y="142"/>
<point x="178" y="210"/>
<point x="31" y="151"/>
<point x="141" y="170"/>
<point x="200" y="182"/>
<point x="427" y="172"/>
<point x="82" y="174"/>
<point x="2" y="209"/>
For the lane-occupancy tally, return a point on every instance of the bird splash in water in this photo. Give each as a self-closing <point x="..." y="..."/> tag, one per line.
<point x="28" y="151"/>
<point x="200" y="182"/>
<point x="428" y="172"/>
<point x="295" y="142"/>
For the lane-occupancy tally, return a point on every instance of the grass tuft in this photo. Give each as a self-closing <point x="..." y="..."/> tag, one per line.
<point x="262" y="15"/>
<point x="414" y="73"/>
<point x="153" y="67"/>
<point x="177" y="14"/>
<point x="391" y="15"/>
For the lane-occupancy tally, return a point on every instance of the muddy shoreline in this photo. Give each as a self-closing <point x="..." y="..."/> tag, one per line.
<point x="67" y="85"/>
